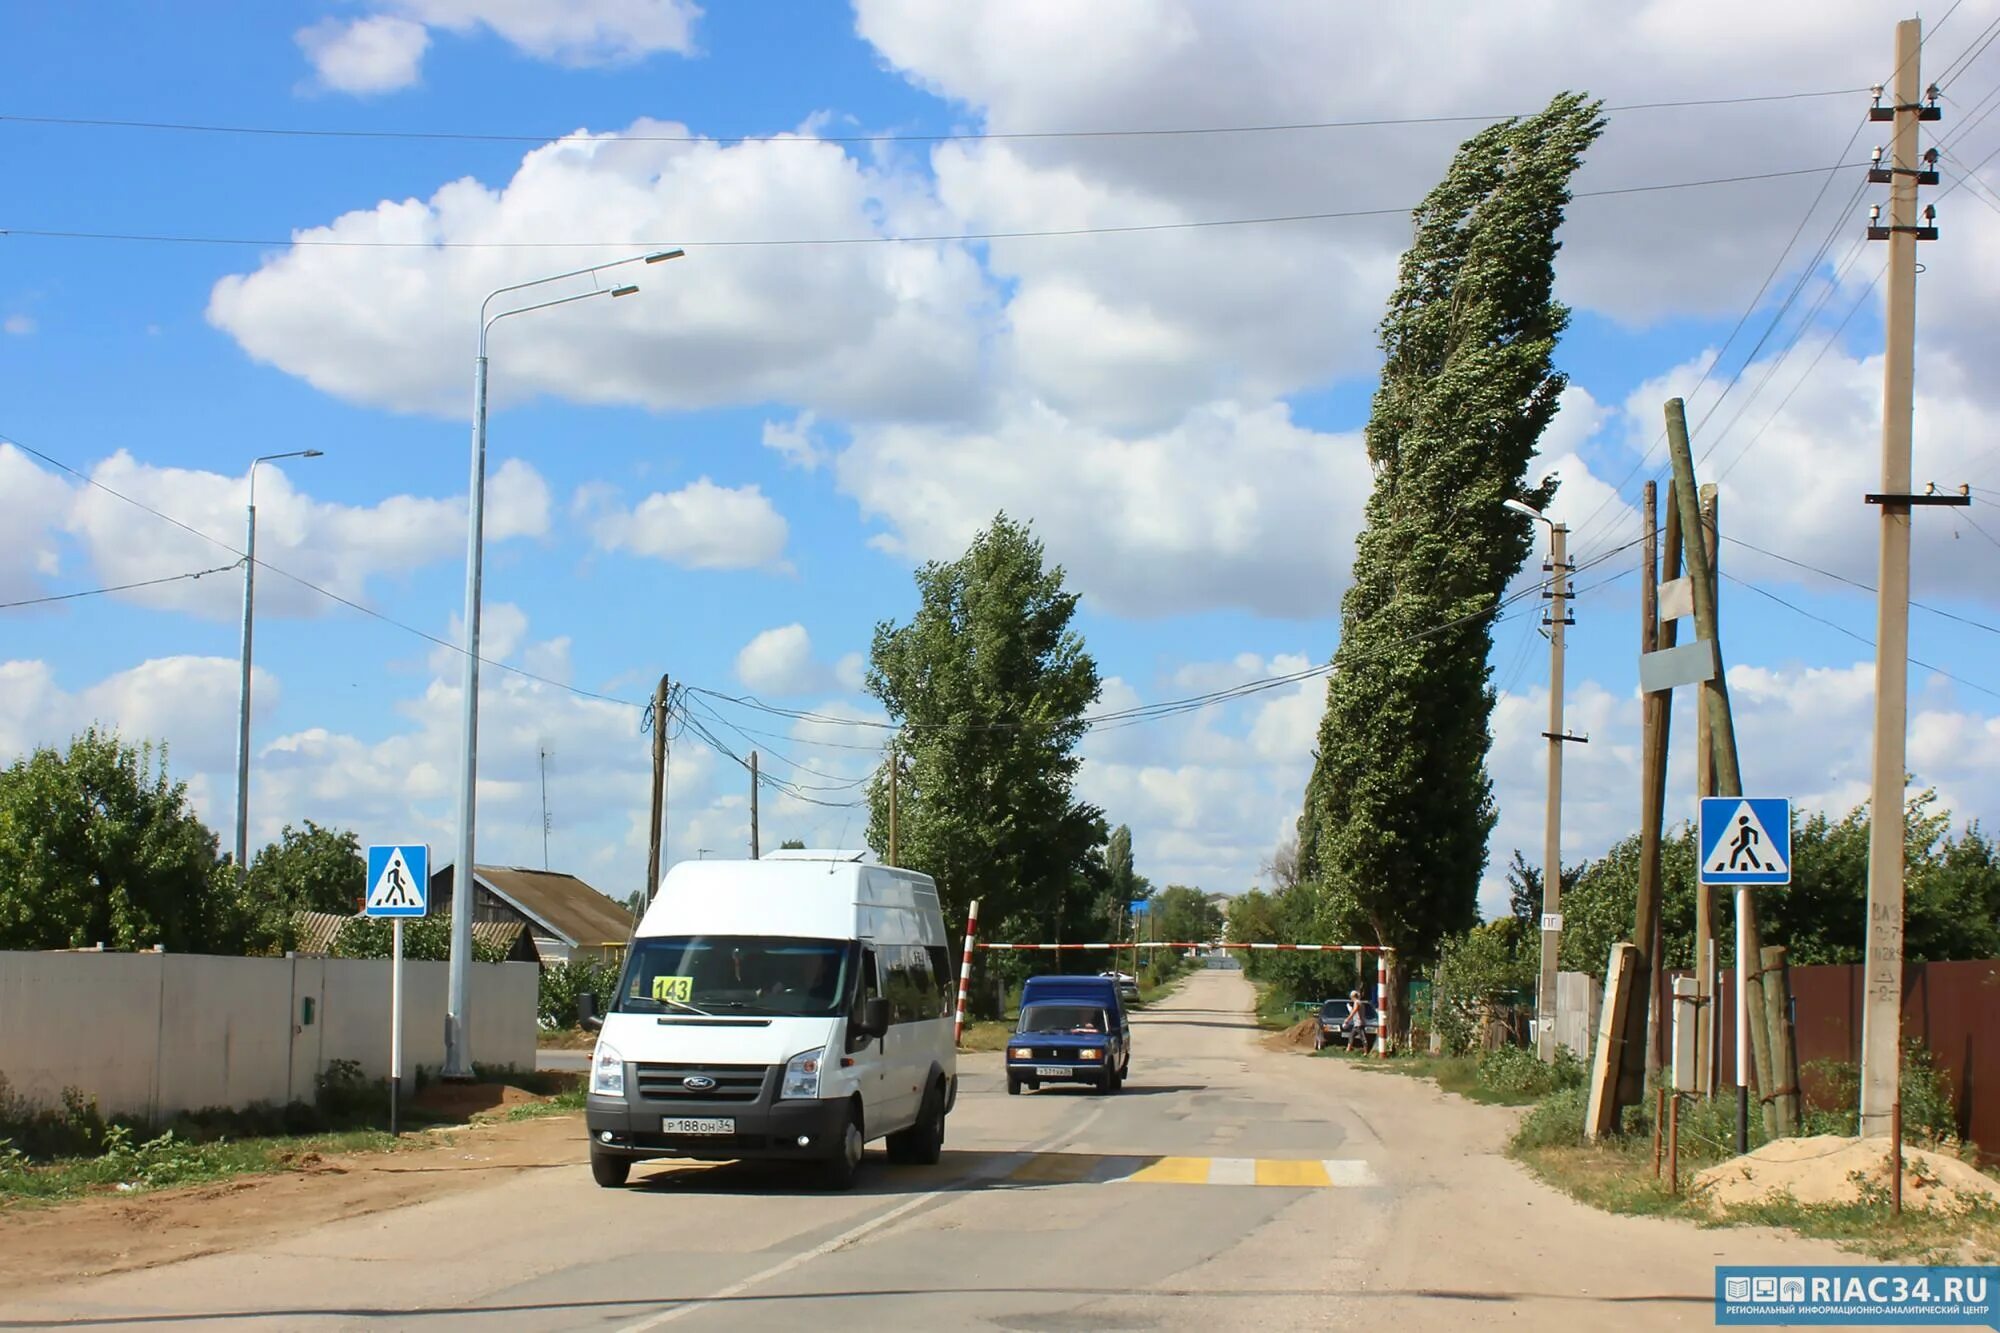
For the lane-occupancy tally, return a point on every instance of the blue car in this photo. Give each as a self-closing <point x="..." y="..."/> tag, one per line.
<point x="1071" y="1030"/>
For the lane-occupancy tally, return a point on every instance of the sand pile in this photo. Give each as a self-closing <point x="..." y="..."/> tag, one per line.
<point x="1830" y="1169"/>
<point x="470" y="1099"/>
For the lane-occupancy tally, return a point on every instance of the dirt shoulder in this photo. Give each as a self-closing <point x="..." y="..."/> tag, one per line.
<point x="93" y="1237"/>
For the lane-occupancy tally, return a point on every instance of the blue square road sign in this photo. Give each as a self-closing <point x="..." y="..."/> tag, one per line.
<point x="399" y="880"/>
<point x="1746" y="840"/>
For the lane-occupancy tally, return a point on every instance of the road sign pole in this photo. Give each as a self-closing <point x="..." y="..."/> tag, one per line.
<point x="1742" y="1023"/>
<point x="395" y="1020"/>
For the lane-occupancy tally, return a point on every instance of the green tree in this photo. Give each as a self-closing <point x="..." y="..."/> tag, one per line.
<point x="98" y="845"/>
<point x="316" y="869"/>
<point x="1253" y="918"/>
<point x="989" y="684"/>
<point x="1524" y="889"/>
<point x="1187" y="914"/>
<point x="1399" y="804"/>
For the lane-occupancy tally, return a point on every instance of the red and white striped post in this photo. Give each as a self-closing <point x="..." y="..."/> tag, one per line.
<point x="965" y="970"/>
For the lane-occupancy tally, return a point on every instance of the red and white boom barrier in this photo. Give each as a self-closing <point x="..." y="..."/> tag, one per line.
<point x="1193" y="944"/>
<point x="965" y="971"/>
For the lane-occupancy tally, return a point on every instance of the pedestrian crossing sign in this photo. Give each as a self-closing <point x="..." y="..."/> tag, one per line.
<point x="399" y="879"/>
<point x="1746" y="840"/>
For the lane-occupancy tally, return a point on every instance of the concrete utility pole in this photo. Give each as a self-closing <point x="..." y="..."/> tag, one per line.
<point x="1882" y="1006"/>
<point x="655" y="838"/>
<point x="755" y="853"/>
<point x="1558" y="620"/>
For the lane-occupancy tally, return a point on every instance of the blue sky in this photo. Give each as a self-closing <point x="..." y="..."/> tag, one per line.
<point x="730" y="476"/>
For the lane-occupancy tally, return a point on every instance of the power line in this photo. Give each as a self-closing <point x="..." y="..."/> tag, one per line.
<point x="963" y="136"/>
<point x="328" y="593"/>
<point x="119" y="587"/>
<point x="934" y="238"/>
<point x="1857" y="637"/>
<point x="1859" y="586"/>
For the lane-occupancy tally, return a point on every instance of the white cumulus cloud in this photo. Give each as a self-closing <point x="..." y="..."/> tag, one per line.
<point x="378" y="54"/>
<point x="780" y="661"/>
<point x="700" y="526"/>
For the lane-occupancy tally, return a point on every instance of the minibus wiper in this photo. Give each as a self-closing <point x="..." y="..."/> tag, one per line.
<point x="682" y="1004"/>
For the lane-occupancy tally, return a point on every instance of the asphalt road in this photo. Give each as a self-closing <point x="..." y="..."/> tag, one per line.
<point x="1228" y="1186"/>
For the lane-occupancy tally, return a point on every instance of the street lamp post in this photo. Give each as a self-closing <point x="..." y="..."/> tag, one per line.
<point x="243" y="688"/>
<point x="457" y="1031"/>
<point x="1545" y="988"/>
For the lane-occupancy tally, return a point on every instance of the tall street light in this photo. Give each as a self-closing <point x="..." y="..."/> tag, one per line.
<point x="243" y="689"/>
<point x="1545" y="989"/>
<point x="457" y="1032"/>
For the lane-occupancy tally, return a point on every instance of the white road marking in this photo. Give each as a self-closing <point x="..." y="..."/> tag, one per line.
<point x="851" y="1235"/>
<point x="1232" y="1170"/>
<point x="1350" y="1172"/>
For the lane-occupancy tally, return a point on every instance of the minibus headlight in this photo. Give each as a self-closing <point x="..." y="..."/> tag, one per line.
<point x="802" y="1076"/>
<point x="607" y="1072"/>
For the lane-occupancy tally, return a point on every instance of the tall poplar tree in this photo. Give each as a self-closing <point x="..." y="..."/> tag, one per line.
<point x="1399" y="806"/>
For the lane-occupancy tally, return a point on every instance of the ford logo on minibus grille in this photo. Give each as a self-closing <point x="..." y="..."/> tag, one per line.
<point x="697" y="1083"/>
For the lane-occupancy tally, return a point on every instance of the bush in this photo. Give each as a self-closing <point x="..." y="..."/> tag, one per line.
<point x="563" y="983"/>
<point x="1930" y="1114"/>
<point x="1556" y="1120"/>
<point x="1516" y="1069"/>
<point x="75" y="1130"/>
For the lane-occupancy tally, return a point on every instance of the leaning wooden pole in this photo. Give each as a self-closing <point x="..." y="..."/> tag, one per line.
<point x="1783" y="1082"/>
<point x="1728" y="771"/>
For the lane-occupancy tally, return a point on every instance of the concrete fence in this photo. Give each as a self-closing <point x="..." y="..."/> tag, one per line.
<point x="150" y="1034"/>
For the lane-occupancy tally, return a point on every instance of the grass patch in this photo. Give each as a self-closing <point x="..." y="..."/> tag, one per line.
<point x="1274" y="1007"/>
<point x="1617" y="1177"/>
<point x="1510" y="1076"/>
<point x="165" y="1161"/>
<point x="987" y="1034"/>
<point x="561" y="1103"/>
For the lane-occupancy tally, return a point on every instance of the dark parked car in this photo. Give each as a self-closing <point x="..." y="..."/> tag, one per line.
<point x="1335" y="1029"/>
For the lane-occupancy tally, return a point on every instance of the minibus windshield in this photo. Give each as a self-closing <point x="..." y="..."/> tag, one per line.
<point x="736" y="975"/>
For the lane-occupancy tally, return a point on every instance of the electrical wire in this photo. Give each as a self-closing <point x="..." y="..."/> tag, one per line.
<point x="1856" y="584"/>
<point x="1857" y="637"/>
<point x="119" y="587"/>
<point x="966" y="136"/>
<point x="328" y="593"/>
<point x="935" y="238"/>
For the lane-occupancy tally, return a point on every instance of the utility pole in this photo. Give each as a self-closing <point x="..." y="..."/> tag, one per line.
<point x="1704" y="770"/>
<point x="893" y="767"/>
<point x="1882" y="1005"/>
<point x="543" y="750"/>
<point x="755" y="854"/>
<point x="1558" y="620"/>
<point x="1656" y="713"/>
<point x="1728" y="772"/>
<point x="655" y="837"/>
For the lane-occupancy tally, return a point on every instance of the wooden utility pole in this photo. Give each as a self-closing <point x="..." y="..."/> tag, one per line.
<point x="893" y="767"/>
<point x="755" y="853"/>
<point x="655" y="839"/>
<point x="1704" y="771"/>
<point x="1728" y="772"/>
<point x="1882" y="1002"/>
<point x="1641" y="1053"/>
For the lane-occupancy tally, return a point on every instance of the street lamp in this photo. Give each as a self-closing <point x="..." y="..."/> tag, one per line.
<point x="243" y="689"/>
<point x="457" y="1036"/>
<point x="1545" y="988"/>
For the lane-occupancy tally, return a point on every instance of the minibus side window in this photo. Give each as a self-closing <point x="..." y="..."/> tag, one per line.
<point x="940" y="961"/>
<point x="870" y="988"/>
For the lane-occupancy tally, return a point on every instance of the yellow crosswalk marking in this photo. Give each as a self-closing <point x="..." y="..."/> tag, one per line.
<point x="1174" y="1171"/>
<point x="1272" y="1171"/>
<point x="1075" y="1168"/>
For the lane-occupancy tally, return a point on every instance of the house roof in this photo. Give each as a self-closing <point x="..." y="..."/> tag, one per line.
<point x="317" y="930"/>
<point x="563" y="905"/>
